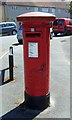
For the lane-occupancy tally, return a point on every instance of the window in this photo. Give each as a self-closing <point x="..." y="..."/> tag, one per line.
<point x="14" y="7"/>
<point x="8" y="24"/>
<point x="53" y="10"/>
<point x="44" y="9"/>
<point x="61" y="22"/>
<point x="70" y="23"/>
<point x="3" y="25"/>
<point x="59" y="10"/>
<point x="55" y="22"/>
<point x="35" y="9"/>
<point x="27" y="8"/>
<point x="58" y="22"/>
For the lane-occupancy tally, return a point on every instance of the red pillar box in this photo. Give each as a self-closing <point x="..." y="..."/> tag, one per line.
<point x="36" y="44"/>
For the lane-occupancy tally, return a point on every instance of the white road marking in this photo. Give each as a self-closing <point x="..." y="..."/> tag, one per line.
<point x="3" y="55"/>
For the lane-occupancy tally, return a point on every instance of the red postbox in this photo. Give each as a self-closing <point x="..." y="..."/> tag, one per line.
<point x="36" y="44"/>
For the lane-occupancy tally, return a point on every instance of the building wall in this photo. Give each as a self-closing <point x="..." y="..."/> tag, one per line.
<point x="62" y="13"/>
<point x="1" y="13"/>
<point x="12" y="11"/>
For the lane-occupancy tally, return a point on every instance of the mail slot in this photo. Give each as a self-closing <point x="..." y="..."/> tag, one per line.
<point x="33" y="35"/>
<point x="36" y="48"/>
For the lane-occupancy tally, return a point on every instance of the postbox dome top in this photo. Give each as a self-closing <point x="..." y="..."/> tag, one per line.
<point x="33" y="15"/>
<point x="37" y="14"/>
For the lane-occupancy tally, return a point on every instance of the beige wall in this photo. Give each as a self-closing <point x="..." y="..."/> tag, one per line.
<point x="1" y="13"/>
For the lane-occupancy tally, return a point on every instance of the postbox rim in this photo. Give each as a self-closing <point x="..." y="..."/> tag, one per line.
<point x="36" y="14"/>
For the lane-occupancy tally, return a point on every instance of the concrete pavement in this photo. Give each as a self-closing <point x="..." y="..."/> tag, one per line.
<point x="13" y="92"/>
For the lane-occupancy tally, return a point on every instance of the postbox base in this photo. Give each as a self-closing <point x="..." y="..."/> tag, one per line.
<point x="38" y="102"/>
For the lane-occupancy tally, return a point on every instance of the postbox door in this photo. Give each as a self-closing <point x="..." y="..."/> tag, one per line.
<point x="36" y="59"/>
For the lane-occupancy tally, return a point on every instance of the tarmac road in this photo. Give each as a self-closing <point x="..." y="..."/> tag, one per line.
<point x="13" y="92"/>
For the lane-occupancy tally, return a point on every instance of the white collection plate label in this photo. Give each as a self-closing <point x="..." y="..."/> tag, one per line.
<point x="33" y="49"/>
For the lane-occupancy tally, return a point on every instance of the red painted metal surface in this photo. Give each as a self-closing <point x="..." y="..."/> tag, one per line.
<point x="36" y="43"/>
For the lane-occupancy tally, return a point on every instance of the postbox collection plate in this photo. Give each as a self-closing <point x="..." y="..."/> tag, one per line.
<point x="33" y="49"/>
